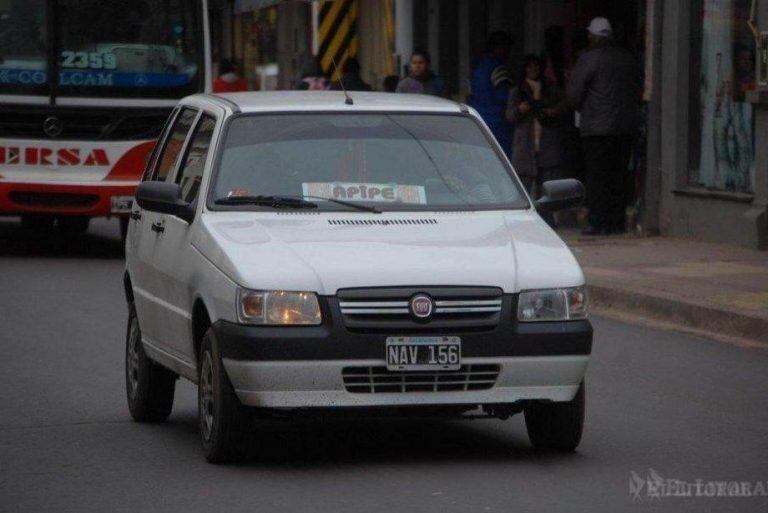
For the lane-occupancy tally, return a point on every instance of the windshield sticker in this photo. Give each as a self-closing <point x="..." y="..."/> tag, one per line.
<point x="376" y="192"/>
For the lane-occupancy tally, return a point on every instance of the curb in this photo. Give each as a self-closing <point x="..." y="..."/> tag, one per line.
<point x="681" y="313"/>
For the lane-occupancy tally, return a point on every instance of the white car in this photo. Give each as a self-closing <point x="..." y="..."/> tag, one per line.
<point x="299" y="252"/>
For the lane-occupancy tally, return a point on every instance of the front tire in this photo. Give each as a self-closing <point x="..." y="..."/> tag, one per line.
<point x="556" y="426"/>
<point x="224" y="421"/>
<point x="149" y="387"/>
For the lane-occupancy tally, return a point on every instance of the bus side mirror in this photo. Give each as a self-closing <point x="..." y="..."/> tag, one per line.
<point x="560" y="195"/>
<point x="164" y="198"/>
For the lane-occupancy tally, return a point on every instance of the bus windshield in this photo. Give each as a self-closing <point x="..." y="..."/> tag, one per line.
<point x="103" y="47"/>
<point x="23" y="47"/>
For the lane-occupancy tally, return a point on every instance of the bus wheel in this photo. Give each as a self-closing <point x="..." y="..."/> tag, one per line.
<point x="73" y="225"/>
<point x="35" y="223"/>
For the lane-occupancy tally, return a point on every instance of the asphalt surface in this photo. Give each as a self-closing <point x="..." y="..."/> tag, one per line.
<point x="687" y="408"/>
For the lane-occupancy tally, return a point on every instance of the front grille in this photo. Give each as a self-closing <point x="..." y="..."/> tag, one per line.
<point x="378" y="380"/>
<point x="83" y="123"/>
<point x="53" y="199"/>
<point x="388" y="308"/>
<point x="469" y="306"/>
<point x="382" y="222"/>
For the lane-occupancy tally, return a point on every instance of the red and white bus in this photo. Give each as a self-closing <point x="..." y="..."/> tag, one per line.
<point x="85" y="88"/>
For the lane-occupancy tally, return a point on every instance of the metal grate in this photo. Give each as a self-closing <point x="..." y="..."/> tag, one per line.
<point x="387" y="308"/>
<point x="381" y="222"/>
<point x="378" y="380"/>
<point x="83" y="124"/>
<point x="53" y="199"/>
<point x="468" y="306"/>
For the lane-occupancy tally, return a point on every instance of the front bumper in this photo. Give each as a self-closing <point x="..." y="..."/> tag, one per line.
<point x="302" y="367"/>
<point x="312" y="384"/>
<point x="87" y="199"/>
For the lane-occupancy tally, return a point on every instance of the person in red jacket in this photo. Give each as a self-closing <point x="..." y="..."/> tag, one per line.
<point x="229" y="81"/>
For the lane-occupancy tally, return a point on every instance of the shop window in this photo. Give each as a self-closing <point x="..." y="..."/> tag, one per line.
<point x="722" y="121"/>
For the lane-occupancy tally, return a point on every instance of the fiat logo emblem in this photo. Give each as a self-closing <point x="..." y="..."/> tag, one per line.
<point x="421" y="306"/>
<point x="52" y="126"/>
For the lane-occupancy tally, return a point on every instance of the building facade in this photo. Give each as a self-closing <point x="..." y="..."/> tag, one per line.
<point x="700" y="167"/>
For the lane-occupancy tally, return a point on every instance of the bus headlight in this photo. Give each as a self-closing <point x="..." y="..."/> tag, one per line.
<point x="278" y="308"/>
<point x="552" y="305"/>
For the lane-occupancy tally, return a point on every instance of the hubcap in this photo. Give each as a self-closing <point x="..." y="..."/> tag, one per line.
<point x="206" y="395"/>
<point x="132" y="360"/>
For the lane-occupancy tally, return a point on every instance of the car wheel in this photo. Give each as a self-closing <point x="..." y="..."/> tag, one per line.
<point x="149" y="387"/>
<point x="224" y="421"/>
<point x="73" y="225"/>
<point x="556" y="426"/>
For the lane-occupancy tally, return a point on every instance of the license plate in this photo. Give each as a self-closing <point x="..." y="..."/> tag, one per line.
<point x="423" y="353"/>
<point x="122" y="204"/>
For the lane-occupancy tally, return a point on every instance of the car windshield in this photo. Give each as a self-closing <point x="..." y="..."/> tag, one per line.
<point x="391" y="161"/>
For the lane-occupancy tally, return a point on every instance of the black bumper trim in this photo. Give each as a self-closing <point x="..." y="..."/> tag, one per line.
<point x="332" y="341"/>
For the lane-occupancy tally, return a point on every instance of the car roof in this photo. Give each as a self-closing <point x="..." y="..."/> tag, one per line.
<point x="317" y="101"/>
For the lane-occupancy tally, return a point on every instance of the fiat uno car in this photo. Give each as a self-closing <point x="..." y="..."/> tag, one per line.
<point x="298" y="253"/>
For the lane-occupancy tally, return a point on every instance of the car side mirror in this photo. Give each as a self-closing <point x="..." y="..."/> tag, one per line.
<point x="164" y="198"/>
<point x="560" y="195"/>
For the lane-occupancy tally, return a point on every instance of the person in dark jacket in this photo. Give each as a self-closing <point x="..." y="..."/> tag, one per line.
<point x="536" y="107"/>
<point x="491" y="83"/>
<point x="604" y="88"/>
<point x="421" y="80"/>
<point x="351" y="78"/>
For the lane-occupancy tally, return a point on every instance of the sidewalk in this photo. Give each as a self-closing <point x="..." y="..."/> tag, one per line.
<point x="706" y="288"/>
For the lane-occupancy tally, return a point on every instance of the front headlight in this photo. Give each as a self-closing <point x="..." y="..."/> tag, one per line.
<point x="552" y="305"/>
<point x="278" y="308"/>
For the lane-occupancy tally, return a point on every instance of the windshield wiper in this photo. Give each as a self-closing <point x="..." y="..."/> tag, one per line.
<point x="290" y="202"/>
<point x="267" y="201"/>
<point x="357" y="206"/>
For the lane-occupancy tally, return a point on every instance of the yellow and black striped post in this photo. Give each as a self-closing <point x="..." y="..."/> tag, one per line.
<point x="337" y="34"/>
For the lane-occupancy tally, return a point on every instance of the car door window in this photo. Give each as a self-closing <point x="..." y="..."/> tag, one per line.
<point x="169" y="157"/>
<point x="191" y="173"/>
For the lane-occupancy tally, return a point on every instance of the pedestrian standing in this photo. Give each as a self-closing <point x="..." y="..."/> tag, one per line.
<point x="351" y="78"/>
<point x="421" y="80"/>
<point x="491" y="84"/>
<point x="536" y="108"/>
<point x="604" y="88"/>
<point x="313" y="78"/>
<point x="229" y="81"/>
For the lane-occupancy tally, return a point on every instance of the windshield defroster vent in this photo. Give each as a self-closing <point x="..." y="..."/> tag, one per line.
<point x="381" y="222"/>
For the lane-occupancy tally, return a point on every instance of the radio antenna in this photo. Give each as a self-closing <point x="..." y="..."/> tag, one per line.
<point x="348" y="99"/>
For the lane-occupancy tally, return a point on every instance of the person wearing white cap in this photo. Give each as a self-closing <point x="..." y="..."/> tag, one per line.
<point x="605" y="87"/>
<point x="600" y="27"/>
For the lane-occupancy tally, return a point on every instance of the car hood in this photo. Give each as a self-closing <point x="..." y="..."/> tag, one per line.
<point x="325" y="252"/>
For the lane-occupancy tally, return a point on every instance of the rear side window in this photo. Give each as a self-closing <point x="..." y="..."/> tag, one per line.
<point x="171" y="152"/>
<point x="191" y="173"/>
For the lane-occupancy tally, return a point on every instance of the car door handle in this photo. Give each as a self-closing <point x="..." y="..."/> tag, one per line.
<point x="158" y="227"/>
<point x="136" y="215"/>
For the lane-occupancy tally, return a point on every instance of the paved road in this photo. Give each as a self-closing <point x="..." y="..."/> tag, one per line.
<point x="687" y="408"/>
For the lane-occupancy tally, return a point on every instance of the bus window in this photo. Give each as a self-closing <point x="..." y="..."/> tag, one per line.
<point x="134" y="48"/>
<point x="23" y="50"/>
